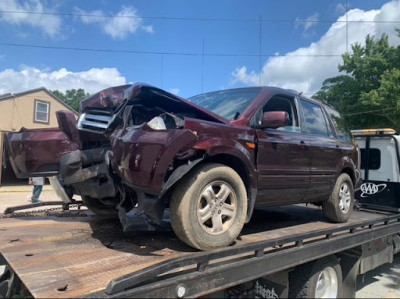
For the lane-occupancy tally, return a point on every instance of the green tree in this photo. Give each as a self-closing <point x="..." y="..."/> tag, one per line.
<point x="72" y="97"/>
<point x="367" y="95"/>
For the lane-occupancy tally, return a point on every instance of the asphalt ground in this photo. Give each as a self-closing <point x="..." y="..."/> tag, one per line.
<point x="382" y="282"/>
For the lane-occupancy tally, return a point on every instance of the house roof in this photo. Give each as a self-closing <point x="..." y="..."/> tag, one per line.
<point x="8" y="96"/>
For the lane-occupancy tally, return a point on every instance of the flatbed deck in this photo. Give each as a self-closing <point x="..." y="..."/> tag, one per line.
<point x="77" y="256"/>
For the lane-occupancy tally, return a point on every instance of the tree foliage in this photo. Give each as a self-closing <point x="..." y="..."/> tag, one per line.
<point x="368" y="93"/>
<point x="72" y="97"/>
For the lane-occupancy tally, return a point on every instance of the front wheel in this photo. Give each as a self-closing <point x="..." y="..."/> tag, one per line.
<point x="340" y="204"/>
<point x="208" y="208"/>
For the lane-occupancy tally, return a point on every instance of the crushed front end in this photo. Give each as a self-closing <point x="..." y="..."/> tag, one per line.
<point x="134" y="147"/>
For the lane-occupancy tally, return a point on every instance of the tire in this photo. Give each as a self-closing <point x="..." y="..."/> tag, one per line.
<point x="318" y="279"/>
<point x="7" y="281"/>
<point x="201" y="219"/>
<point x="340" y="204"/>
<point x="104" y="208"/>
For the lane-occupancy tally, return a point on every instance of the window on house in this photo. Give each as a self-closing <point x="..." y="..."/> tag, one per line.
<point x="42" y="110"/>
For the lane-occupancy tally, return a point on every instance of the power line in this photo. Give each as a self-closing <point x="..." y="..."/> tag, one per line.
<point x="370" y="111"/>
<point x="163" y="53"/>
<point x="195" y="19"/>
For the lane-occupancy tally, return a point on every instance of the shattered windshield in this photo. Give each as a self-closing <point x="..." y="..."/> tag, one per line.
<point x="229" y="104"/>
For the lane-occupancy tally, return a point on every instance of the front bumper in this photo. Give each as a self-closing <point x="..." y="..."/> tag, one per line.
<point x="87" y="171"/>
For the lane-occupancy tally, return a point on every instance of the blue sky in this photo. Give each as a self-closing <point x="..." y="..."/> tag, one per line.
<point x="185" y="47"/>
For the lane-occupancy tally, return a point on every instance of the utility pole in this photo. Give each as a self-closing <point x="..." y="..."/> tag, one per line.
<point x="260" y="65"/>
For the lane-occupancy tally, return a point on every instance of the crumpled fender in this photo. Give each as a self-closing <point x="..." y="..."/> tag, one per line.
<point x="141" y="156"/>
<point x="231" y="147"/>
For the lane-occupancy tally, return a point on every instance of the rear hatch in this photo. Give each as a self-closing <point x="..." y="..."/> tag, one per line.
<point x="37" y="152"/>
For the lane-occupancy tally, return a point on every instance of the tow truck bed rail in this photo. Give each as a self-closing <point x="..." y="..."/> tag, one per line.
<point x="225" y="267"/>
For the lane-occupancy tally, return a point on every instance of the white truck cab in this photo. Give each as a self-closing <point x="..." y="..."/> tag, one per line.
<point x="380" y="170"/>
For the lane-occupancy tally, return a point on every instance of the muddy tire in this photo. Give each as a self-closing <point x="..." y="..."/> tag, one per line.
<point x="208" y="208"/>
<point x="103" y="208"/>
<point x="340" y="204"/>
<point x="318" y="279"/>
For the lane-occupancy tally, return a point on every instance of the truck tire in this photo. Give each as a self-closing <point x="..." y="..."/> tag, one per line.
<point x="340" y="204"/>
<point x="319" y="279"/>
<point x="209" y="206"/>
<point x="7" y="280"/>
<point x="103" y="208"/>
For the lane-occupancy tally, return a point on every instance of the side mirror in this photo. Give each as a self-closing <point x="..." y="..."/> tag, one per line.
<point x="275" y="119"/>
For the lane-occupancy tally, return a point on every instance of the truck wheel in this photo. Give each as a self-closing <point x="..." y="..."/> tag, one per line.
<point x="319" y="279"/>
<point x="7" y="280"/>
<point x="340" y="204"/>
<point x="208" y="208"/>
<point x="101" y="207"/>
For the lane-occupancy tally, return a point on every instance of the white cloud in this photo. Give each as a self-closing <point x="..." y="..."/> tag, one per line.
<point x="27" y="78"/>
<point x="21" y="14"/>
<point x="307" y="23"/>
<point x="341" y="8"/>
<point x="95" y="16"/>
<point x="125" y="22"/>
<point x="305" y="69"/>
<point x="175" y="91"/>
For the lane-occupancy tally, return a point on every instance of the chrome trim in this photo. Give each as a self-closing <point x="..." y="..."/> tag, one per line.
<point x="95" y="121"/>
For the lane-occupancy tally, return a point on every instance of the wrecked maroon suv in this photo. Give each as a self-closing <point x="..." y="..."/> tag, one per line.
<point x="138" y="151"/>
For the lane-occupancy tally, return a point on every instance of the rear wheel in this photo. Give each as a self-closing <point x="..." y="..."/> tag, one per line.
<point x="101" y="207"/>
<point x="340" y="204"/>
<point x="318" y="279"/>
<point x="208" y="208"/>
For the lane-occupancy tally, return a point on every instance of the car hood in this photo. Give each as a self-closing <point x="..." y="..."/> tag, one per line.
<point x="114" y="97"/>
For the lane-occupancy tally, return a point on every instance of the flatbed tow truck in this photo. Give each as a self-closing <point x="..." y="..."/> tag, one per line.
<point x="76" y="254"/>
<point x="290" y="251"/>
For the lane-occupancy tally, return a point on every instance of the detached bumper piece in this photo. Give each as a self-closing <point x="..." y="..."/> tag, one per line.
<point x="88" y="172"/>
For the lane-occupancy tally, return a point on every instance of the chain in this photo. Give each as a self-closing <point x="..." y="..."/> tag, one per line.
<point x="47" y="212"/>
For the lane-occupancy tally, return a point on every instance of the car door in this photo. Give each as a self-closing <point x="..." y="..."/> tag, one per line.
<point x="283" y="157"/>
<point x="325" y="151"/>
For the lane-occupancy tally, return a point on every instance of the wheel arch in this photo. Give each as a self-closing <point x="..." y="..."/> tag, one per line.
<point x="237" y="163"/>
<point x="351" y="174"/>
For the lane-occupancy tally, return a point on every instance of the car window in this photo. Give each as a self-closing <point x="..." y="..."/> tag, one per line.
<point x="342" y="131"/>
<point x="314" y="119"/>
<point x="279" y="103"/>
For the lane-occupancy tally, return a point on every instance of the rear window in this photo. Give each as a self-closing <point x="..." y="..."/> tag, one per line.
<point x="370" y="158"/>
<point x="343" y="133"/>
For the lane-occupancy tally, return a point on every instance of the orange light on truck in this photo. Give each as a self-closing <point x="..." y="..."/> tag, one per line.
<point x="251" y="145"/>
<point x="366" y="132"/>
